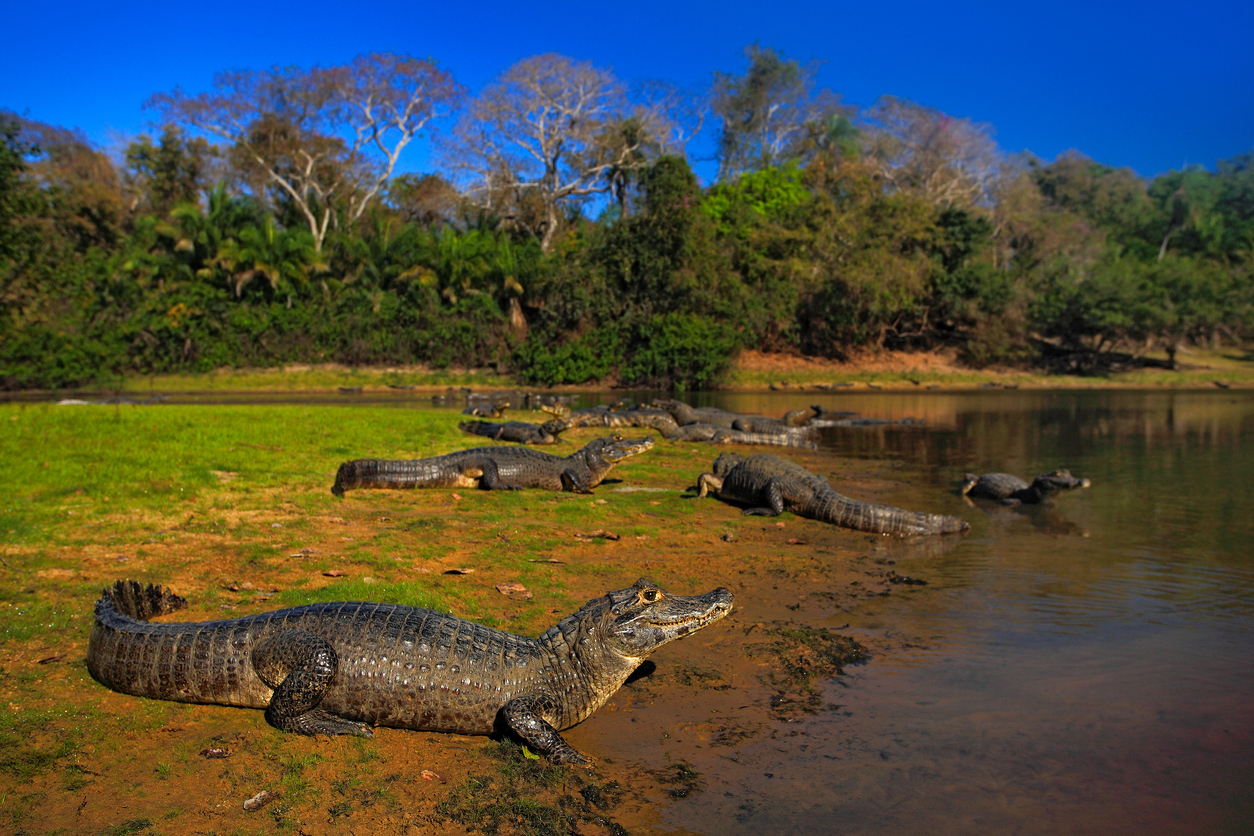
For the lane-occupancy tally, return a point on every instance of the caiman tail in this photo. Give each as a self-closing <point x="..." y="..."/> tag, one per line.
<point x="838" y="509"/>
<point x="379" y="473"/>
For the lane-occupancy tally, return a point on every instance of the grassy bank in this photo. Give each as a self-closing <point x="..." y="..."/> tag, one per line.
<point x="230" y="507"/>
<point x="890" y="371"/>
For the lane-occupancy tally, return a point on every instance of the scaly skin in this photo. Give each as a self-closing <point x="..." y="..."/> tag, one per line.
<point x="519" y="432"/>
<point x="771" y="485"/>
<point x="494" y="468"/>
<point x="340" y="668"/>
<point x="1011" y="490"/>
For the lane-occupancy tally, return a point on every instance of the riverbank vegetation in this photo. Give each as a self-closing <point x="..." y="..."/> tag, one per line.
<point x="562" y="236"/>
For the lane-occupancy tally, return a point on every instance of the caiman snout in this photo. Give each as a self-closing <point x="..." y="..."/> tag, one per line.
<point x="621" y="448"/>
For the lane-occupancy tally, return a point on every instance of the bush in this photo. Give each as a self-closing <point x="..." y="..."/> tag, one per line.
<point x="679" y="351"/>
<point x="585" y="360"/>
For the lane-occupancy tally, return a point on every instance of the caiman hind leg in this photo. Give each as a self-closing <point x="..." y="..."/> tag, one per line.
<point x="524" y="716"/>
<point x="772" y="497"/>
<point x="299" y="667"/>
<point x="491" y="479"/>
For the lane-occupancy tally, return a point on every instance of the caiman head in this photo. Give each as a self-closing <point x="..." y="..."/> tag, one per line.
<point x="638" y="620"/>
<point x="1058" y="480"/>
<point x="724" y="464"/>
<point x="558" y="410"/>
<point x="617" y="448"/>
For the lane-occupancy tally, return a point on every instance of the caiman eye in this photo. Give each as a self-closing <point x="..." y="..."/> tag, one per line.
<point x="649" y="595"/>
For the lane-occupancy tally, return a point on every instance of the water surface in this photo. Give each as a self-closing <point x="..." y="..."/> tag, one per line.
<point x="1086" y="666"/>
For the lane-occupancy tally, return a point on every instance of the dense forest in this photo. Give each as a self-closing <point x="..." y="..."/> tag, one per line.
<point x="563" y="236"/>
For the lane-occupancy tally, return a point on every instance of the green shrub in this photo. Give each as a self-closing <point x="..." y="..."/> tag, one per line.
<point x="679" y="351"/>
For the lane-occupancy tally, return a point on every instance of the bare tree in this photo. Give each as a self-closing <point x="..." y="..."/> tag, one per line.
<point x="320" y="136"/>
<point x="918" y="149"/>
<point x="551" y="131"/>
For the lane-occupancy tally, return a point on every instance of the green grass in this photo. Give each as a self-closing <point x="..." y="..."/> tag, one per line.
<point x="312" y="378"/>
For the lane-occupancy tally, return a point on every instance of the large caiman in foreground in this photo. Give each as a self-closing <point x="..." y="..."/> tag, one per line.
<point x="494" y="468"/>
<point x="771" y="485"/>
<point x="340" y="668"/>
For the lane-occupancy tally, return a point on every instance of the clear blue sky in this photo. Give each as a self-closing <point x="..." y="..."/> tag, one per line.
<point x="1148" y="85"/>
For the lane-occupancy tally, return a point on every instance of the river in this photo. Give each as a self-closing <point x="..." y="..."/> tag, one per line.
<point x="1086" y="666"/>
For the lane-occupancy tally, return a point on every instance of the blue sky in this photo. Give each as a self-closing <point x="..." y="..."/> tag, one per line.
<point x="1148" y="85"/>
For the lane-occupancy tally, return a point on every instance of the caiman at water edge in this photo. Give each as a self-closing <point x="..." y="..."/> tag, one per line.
<point x="1012" y="490"/>
<point x="771" y="485"/>
<point x="340" y="668"/>
<point x="494" y="468"/>
<point x="520" y="432"/>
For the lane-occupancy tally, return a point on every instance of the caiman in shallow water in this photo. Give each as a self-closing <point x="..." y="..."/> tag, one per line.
<point x="1012" y="490"/>
<point x="771" y="485"/>
<point x="340" y="668"/>
<point x="494" y="468"/>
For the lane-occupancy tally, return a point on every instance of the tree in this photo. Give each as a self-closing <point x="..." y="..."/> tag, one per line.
<point x="948" y="162"/>
<point x="427" y="199"/>
<point x="1114" y="200"/>
<point x="770" y="112"/>
<point x="170" y="172"/>
<point x="320" y="137"/>
<point x="555" y="130"/>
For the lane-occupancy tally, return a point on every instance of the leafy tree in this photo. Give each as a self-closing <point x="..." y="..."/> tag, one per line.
<point x="1187" y="205"/>
<point x="1114" y="200"/>
<point x="285" y="258"/>
<point x="170" y="172"/>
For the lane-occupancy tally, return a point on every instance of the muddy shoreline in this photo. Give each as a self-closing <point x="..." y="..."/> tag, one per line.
<point x="138" y="766"/>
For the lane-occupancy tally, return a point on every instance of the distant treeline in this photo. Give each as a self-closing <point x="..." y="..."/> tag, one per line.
<point x="564" y="237"/>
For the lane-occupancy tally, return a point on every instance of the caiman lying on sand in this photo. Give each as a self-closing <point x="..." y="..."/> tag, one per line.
<point x="771" y="485"/>
<point x="340" y="668"/>
<point x="520" y="432"/>
<point x="1012" y="490"/>
<point x="494" y="468"/>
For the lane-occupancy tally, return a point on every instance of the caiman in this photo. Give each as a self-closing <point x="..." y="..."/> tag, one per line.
<point x="494" y="468"/>
<point x="771" y="485"/>
<point x="519" y="432"/>
<point x="601" y="416"/>
<point x="340" y="668"/>
<point x="719" y="435"/>
<point x="1012" y="490"/>
<point x="487" y="410"/>
<point x="685" y="414"/>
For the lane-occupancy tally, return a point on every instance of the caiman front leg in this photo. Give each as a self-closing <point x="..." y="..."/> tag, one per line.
<point x="524" y="716"/>
<point x="299" y="666"/>
<point x="574" y="482"/>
